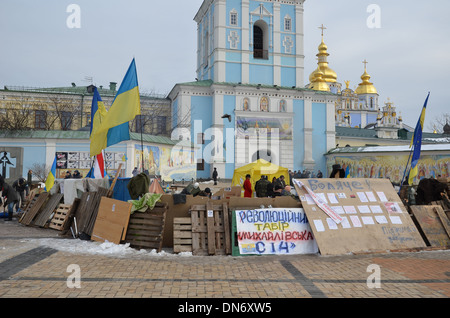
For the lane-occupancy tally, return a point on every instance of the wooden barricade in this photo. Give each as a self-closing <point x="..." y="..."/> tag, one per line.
<point x="145" y="229"/>
<point x="87" y="210"/>
<point x="434" y="224"/>
<point x="210" y="229"/>
<point x="61" y="217"/>
<point x="45" y="215"/>
<point x="33" y="208"/>
<point x="182" y="235"/>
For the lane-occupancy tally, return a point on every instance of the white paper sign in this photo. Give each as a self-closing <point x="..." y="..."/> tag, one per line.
<point x="274" y="231"/>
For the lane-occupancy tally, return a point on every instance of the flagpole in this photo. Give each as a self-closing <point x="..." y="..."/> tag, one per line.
<point x="142" y="142"/>
<point x="406" y="168"/>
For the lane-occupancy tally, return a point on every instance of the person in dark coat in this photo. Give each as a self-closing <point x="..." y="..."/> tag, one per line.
<point x="77" y="175"/>
<point x="21" y="186"/>
<point x="11" y="198"/>
<point x="215" y="174"/>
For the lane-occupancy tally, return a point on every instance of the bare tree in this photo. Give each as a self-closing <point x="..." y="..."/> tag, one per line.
<point x="15" y="119"/>
<point x="40" y="171"/>
<point x="64" y="111"/>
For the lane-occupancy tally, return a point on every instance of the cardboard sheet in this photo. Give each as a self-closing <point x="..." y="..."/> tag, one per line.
<point x="368" y="216"/>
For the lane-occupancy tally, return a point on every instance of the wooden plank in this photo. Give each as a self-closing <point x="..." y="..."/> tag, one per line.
<point x="112" y="220"/>
<point x="146" y="229"/>
<point x="29" y="216"/>
<point x="227" y="229"/>
<point x="49" y="208"/>
<point x="182" y="235"/>
<point x="110" y="192"/>
<point x="209" y="236"/>
<point x="443" y="218"/>
<point x="60" y="217"/>
<point x="431" y="225"/>
<point x="211" y="231"/>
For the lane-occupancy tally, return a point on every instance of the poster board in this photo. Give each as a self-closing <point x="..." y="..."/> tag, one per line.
<point x="112" y="221"/>
<point x="283" y="231"/>
<point x="373" y="218"/>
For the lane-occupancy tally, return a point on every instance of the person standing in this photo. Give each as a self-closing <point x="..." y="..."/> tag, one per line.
<point x="10" y="198"/>
<point x="135" y="172"/>
<point x="261" y="187"/>
<point x="215" y="175"/>
<point x="21" y="186"/>
<point x="30" y="178"/>
<point x="247" y="187"/>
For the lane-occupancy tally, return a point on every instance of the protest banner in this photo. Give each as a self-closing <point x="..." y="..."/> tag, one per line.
<point x="274" y="231"/>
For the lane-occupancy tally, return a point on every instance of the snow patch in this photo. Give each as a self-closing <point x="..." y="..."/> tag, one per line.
<point x="76" y="246"/>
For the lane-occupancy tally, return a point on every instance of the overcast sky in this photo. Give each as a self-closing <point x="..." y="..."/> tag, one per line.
<point x="408" y="54"/>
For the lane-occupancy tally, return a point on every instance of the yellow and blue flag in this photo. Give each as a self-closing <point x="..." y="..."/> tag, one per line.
<point x="50" y="182"/>
<point x="114" y="126"/>
<point x="98" y="111"/>
<point x="416" y="142"/>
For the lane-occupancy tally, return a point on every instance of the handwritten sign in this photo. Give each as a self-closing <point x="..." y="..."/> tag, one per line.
<point x="274" y="231"/>
<point x="356" y="215"/>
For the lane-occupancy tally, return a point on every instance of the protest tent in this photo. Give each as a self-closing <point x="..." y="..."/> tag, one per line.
<point x="257" y="169"/>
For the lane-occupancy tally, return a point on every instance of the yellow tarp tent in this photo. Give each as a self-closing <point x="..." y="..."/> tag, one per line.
<point x="257" y="169"/>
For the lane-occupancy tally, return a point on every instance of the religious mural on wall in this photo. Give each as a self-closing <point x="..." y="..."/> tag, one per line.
<point x="392" y="167"/>
<point x="270" y="127"/>
<point x="169" y="163"/>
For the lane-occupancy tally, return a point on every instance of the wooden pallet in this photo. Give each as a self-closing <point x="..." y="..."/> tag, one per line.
<point x="210" y="229"/>
<point x="182" y="235"/>
<point x="48" y="209"/>
<point x="61" y="217"/>
<point x="145" y="229"/>
<point x="33" y="208"/>
<point x="87" y="210"/>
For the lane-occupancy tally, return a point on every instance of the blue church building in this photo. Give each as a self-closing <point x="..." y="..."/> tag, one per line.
<point x="249" y="99"/>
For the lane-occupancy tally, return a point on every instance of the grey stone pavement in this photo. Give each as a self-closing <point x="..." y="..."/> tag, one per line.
<point x="37" y="263"/>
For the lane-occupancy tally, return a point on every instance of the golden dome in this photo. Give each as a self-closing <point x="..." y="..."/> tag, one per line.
<point x="328" y="74"/>
<point x="365" y="87"/>
<point x="318" y="83"/>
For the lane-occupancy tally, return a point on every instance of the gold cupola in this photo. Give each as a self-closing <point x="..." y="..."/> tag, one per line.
<point x="328" y="74"/>
<point x="318" y="83"/>
<point x="365" y="87"/>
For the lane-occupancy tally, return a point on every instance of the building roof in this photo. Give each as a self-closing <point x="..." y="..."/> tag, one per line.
<point x="404" y="134"/>
<point x="75" y="90"/>
<point x="208" y="83"/>
<point x="377" y="149"/>
<point x="82" y="134"/>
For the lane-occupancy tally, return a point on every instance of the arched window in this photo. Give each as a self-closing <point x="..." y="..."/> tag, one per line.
<point x="260" y="40"/>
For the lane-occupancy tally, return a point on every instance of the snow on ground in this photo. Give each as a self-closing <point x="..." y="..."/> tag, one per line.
<point x="76" y="246"/>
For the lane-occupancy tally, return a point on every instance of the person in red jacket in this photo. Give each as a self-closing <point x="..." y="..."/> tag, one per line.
<point x="247" y="187"/>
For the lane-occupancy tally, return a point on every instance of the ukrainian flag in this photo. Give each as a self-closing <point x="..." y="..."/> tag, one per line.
<point x="98" y="111"/>
<point x="114" y="126"/>
<point x="416" y="142"/>
<point x="50" y="182"/>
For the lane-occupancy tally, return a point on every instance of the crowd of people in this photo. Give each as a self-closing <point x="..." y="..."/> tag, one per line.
<point x="265" y="188"/>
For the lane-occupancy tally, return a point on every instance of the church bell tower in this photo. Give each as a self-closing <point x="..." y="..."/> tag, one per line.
<point x="251" y="42"/>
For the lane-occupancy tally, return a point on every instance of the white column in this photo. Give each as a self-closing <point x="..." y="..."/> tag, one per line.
<point x="218" y="26"/>
<point x="276" y="45"/>
<point x="245" y="42"/>
<point x="308" y="161"/>
<point x="300" y="57"/>
<point x="331" y="126"/>
<point x="50" y="152"/>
